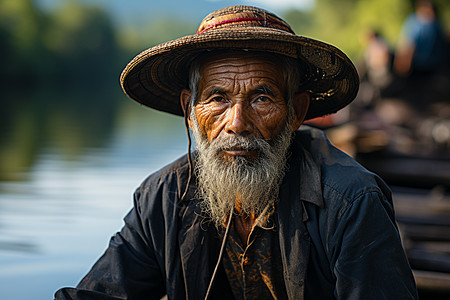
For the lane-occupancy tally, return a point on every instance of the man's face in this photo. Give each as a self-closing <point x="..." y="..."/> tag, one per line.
<point x="241" y="95"/>
<point x="243" y="128"/>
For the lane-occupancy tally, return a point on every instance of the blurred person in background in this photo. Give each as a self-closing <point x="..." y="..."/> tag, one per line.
<point x="262" y="209"/>
<point x="377" y="60"/>
<point x="421" y="47"/>
<point x="420" y="59"/>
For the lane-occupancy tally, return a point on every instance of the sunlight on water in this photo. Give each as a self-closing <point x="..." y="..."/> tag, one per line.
<point x="55" y="224"/>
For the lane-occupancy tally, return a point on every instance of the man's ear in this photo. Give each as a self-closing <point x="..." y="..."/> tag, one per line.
<point x="185" y="96"/>
<point x="300" y="103"/>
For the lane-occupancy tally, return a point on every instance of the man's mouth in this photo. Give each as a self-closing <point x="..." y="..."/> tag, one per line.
<point x="237" y="151"/>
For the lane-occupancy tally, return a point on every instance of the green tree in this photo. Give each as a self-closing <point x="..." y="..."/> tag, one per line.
<point x="20" y="30"/>
<point x="83" y="45"/>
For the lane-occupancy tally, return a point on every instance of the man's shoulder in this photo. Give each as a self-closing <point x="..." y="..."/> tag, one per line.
<point x="161" y="192"/>
<point x="172" y="173"/>
<point x="339" y="172"/>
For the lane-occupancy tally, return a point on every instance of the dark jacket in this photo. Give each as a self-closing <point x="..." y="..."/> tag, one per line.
<point x="337" y="232"/>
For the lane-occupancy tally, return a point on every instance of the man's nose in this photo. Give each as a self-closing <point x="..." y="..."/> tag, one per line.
<point x="238" y="120"/>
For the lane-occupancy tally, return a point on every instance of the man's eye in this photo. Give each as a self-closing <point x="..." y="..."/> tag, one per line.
<point x="262" y="99"/>
<point x="218" y="99"/>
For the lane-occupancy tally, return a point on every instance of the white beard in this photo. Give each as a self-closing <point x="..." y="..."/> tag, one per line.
<point x="255" y="184"/>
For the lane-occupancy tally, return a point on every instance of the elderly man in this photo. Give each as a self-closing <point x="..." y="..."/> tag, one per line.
<point x="261" y="210"/>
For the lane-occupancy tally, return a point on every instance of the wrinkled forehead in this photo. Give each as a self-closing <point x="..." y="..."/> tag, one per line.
<point x="245" y="68"/>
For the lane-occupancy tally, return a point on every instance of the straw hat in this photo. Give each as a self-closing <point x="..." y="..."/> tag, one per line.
<point x="156" y="76"/>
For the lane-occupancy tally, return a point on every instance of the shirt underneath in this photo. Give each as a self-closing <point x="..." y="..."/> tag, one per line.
<point x="255" y="270"/>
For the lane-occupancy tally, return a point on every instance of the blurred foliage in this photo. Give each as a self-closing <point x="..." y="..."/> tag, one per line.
<point x="133" y="40"/>
<point x="74" y="45"/>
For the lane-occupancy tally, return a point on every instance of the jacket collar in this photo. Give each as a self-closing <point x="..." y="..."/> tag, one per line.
<point x="303" y="171"/>
<point x="301" y="184"/>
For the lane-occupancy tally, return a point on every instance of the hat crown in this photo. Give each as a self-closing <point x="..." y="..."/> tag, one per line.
<point x="242" y="16"/>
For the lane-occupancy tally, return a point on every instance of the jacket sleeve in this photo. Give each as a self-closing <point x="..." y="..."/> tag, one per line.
<point x="127" y="270"/>
<point x="368" y="259"/>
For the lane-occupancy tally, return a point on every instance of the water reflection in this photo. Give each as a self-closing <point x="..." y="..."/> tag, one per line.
<point x="68" y="121"/>
<point x="67" y="178"/>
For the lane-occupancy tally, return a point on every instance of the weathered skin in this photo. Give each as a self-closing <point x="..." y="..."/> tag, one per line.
<point x="243" y="94"/>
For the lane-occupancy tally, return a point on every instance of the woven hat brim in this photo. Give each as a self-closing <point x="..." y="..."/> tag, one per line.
<point x="157" y="75"/>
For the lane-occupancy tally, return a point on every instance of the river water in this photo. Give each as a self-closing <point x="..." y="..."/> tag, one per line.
<point x="62" y="201"/>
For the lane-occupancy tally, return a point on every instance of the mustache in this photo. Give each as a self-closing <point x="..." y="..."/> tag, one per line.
<point x="239" y="143"/>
